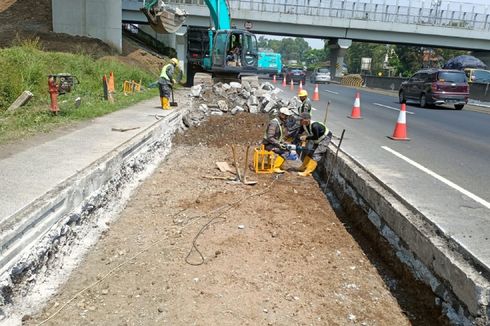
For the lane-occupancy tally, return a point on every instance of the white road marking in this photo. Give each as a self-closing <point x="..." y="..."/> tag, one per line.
<point x="438" y="177"/>
<point x="391" y="108"/>
<point x="336" y="93"/>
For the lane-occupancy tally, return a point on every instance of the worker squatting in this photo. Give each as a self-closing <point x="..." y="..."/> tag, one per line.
<point x="311" y="137"/>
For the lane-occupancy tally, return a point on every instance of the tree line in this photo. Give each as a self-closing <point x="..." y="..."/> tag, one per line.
<point x="390" y="59"/>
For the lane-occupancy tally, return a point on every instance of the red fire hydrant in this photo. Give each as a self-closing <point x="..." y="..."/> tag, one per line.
<point x="53" y="92"/>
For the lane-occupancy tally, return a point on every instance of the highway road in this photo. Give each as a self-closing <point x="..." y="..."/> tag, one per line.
<point x="443" y="171"/>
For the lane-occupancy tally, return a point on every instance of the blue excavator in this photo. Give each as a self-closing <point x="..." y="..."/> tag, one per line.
<point x="220" y="52"/>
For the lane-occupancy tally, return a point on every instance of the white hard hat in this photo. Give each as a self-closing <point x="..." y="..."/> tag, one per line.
<point x="284" y="110"/>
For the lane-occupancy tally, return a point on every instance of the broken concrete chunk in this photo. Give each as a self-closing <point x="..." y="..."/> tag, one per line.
<point x="226" y="86"/>
<point x="267" y="86"/>
<point x="237" y="109"/>
<point x="236" y="85"/>
<point x="252" y="100"/>
<point x="253" y="108"/>
<point x="216" y="113"/>
<point x="204" y="108"/>
<point x="246" y="86"/>
<point x="20" y="101"/>
<point x="223" y="106"/>
<point x="245" y="94"/>
<point x="196" y="90"/>
<point x="270" y="105"/>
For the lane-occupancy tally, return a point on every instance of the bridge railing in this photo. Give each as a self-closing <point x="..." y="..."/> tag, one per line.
<point x="444" y="14"/>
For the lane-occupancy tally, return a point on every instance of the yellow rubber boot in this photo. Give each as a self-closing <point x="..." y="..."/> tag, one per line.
<point x="165" y="103"/>
<point x="310" y="167"/>
<point x="302" y="168"/>
<point x="278" y="162"/>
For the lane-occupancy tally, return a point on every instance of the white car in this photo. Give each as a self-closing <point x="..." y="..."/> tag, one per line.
<point x="320" y="75"/>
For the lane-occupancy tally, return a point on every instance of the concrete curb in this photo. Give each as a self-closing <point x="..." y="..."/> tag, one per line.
<point x="463" y="291"/>
<point x="29" y="237"/>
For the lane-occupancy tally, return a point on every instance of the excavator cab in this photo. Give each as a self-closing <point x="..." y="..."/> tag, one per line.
<point x="234" y="52"/>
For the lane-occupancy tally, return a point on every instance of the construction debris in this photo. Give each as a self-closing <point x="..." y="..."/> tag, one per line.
<point x="248" y="96"/>
<point x="21" y="101"/>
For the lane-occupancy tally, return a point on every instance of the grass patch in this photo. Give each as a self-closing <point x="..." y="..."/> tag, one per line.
<point x="26" y="67"/>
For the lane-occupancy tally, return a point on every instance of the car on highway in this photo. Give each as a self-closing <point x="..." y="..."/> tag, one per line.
<point x="431" y="87"/>
<point x="295" y="74"/>
<point x="320" y="75"/>
<point x="477" y="75"/>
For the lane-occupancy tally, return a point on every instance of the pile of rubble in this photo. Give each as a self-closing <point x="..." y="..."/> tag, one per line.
<point x="234" y="97"/>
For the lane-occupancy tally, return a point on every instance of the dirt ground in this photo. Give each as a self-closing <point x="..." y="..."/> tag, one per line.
<point x="273" y="254"/>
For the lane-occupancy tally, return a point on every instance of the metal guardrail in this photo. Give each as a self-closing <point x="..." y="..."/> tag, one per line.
<point x="435" y="13"/>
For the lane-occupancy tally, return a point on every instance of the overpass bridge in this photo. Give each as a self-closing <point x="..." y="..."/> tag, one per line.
<point x="447" y="24"/>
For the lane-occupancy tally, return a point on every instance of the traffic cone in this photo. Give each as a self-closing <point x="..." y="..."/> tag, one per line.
<point x="300" y="88"/>
<point x="400" y="132"/>
<point x="292" y="85"/>
<point x="316" y="94"/>
<point x="356" y="109"/>
<point x="110" y="83"/>
<point x="274" y="79"/>
<point x="284" y="81"/>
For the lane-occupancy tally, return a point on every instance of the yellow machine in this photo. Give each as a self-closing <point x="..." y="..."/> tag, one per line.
<point x="263" y="160"/>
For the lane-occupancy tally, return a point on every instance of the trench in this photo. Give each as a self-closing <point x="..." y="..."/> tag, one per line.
<point x="415" y="298"/>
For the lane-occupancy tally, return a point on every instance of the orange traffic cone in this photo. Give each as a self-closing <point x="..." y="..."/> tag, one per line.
<point x="110" y="83"/>
<point x="400" y="132"/>
<point x="292" y="85"/>
<point x="356" y="109"/>
<point x="284" y="81"/>
<point x="300" y="88"/>
<point x="274" y="79"/>
<point x="316" y="94"/>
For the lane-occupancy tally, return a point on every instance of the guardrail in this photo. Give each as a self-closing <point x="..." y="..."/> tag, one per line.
<point x="442" y="14"/>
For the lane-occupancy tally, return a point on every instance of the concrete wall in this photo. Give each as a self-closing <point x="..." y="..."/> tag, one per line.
<point x="92" y="18"/>
<point x="433" y="258"/>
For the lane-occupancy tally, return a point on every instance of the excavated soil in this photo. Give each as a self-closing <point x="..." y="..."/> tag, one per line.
<point x="272" y="254"/>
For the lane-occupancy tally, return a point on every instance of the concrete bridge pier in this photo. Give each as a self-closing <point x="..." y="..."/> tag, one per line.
<point x="92" y="18"/>
<point x="338" y="48"/>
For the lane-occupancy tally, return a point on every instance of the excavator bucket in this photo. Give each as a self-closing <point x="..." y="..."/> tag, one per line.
<point x="163" y="18"/>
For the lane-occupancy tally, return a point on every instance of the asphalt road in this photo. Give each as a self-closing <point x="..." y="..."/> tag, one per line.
<point x="444" y="170"/>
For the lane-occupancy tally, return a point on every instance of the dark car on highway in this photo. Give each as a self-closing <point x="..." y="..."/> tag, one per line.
<point x="295" y="74"/>
<point x="435" y="87"/>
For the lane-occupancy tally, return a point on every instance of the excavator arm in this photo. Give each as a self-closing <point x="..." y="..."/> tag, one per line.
<point x="220" y="13"/>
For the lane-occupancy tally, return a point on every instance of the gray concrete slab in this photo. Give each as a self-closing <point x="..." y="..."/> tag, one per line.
<point x="27" y="175"/>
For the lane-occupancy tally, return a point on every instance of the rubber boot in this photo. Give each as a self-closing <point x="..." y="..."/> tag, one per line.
<point x="165" y="103"/>
<point x="278" y="162"/>
<point x="310" y="167"/>
<point x="302" y="168"/>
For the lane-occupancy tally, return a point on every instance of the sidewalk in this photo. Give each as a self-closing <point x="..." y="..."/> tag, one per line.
<point x="35" y="182"/>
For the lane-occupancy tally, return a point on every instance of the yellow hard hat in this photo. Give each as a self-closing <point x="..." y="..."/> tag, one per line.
<point x="175" y="61"/>
<point x="303" y="93"/>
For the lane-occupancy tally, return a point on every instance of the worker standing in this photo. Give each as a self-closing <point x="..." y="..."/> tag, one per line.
<point x="318" y="137"/>
<point x="166" y="81"/>
<point x="305" y="102"/>
<point x="274" y="138"/>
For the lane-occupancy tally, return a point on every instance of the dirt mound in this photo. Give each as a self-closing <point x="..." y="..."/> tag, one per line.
<point x="244" y="128"/>
<point x="25" y="15"/>
<point x="32" y="19"/>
